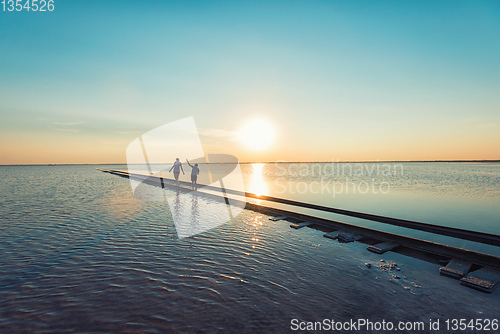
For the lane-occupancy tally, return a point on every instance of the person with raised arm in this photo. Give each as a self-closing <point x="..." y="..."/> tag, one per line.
<point x="195" y="170"/>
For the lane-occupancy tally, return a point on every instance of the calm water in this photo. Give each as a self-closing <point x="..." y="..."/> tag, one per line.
<point x="80" y="253"/>
<point x="462" y="195"/>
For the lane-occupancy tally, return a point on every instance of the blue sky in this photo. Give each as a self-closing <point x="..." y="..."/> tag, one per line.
<point x="348" y="80"/>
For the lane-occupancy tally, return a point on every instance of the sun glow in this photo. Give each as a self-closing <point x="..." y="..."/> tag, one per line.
<point x="257" y="134"/>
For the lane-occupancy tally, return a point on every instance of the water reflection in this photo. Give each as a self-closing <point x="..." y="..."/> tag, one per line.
<point x="177" y="206"/>
<point x="197" y="212"/>
<point x="195" y="215"/>
<point x="256" y="225"/>
<point x="256" y="184"/>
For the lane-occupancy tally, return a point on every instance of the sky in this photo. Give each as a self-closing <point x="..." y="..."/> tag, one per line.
<point x="332" y="80"/>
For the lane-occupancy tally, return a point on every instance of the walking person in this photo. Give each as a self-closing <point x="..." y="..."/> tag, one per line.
<point x="195" y="170"/>
<point x="177" y="166"/>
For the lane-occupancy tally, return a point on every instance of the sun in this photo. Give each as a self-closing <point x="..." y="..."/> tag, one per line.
<point x="257" y="134"/>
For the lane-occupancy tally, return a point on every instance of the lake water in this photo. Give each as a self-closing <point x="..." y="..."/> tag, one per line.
<point x="462" y="195"/>
<point x="80" y="253"/>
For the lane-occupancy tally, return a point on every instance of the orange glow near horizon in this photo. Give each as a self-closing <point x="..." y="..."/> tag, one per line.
<point x="53" y="147"/>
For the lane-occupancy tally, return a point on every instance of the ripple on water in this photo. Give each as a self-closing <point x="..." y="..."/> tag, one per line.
<point x="87" y="256"/>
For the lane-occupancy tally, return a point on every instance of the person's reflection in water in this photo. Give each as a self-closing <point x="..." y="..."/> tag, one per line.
<point x="177" y="206"/>
<point x="187" y="218"/>
<point x="195" y="215"/>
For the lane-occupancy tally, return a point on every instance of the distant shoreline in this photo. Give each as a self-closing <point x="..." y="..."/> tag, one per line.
<point x="271" y="162"/>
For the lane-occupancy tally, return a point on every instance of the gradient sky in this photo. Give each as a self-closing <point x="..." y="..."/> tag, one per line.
<point x="342" y="80"/>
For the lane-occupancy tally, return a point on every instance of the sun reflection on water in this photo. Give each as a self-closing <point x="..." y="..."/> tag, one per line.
<point x="256" y="224"/>
<point x="257" y="185"/>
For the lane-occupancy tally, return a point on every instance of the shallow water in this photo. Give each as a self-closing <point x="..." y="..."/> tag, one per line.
<point x="462" y="195"/>
<point x="80" y="253"/>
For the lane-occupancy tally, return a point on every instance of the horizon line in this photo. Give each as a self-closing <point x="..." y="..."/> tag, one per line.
<point x="280" y="161"/>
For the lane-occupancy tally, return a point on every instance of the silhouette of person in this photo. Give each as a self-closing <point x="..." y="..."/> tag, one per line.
<point x="177" y="166"/>
<point x="195" y="170"/>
